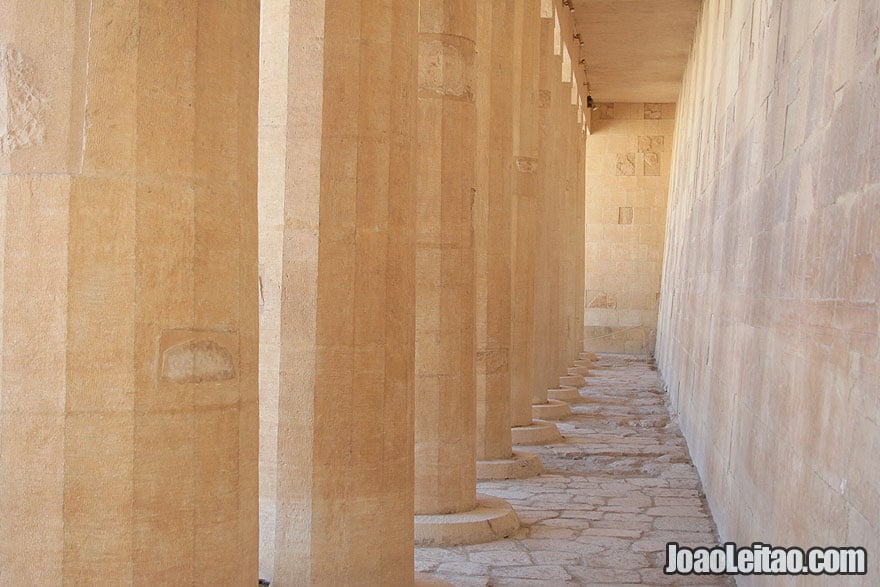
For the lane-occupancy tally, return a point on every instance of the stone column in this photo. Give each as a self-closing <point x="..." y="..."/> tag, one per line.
<point x="581" y="211"/>
<point x="338" y="134"/>
<point x="492" y="240"/>
<point x="572" y="238"/>
<point x="576" y="330"/>
<point x="129" y="418"/>
<point x="550" y="282"/>
<point x="445" y="435"/>
<point x="526" y="140"/>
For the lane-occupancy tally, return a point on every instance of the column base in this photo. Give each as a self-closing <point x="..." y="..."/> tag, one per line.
<point x="572" y="380"/>
<point x="580" y="371"/>
<point x="492" y="519"/>
<point x="552" y="410"/>
<point x="521" y="466"/>
<point x="537" y="433"/>
<point x="588" y="355"/>
<point x="565" y="393"/>
<point x="426" y="580"/>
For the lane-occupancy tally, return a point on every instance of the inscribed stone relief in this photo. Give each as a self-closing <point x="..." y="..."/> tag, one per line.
<point x="21" y="103"/>
<point x="626" y="164"/>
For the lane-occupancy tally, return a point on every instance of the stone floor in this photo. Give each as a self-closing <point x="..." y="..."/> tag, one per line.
<point x="620" y="486"/>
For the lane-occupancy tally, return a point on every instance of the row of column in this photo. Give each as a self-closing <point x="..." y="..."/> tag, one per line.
<point x="418" y="170"/>
<point x="437" y="216"/>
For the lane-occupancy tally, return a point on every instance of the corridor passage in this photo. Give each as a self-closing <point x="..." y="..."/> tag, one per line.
<point x="615" y="492"/>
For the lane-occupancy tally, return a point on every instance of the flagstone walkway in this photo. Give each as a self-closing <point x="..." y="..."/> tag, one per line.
<point x="615" y="492"/>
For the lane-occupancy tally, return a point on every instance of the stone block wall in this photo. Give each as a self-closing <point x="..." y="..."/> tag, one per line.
<point x="628" y="159"/>
<point x="768" y="331"/>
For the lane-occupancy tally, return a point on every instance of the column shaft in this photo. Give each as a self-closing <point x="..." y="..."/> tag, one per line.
<point x="445" y="475"/>
<point x="526" y="50"/>
<point x="129" y="300"/>
<point x="551" y="174"/>
<point x="337" y="252"/>
<point x="492" y="223"/>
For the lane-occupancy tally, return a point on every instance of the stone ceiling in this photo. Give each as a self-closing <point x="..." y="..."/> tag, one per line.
<point x="636" y="50"/>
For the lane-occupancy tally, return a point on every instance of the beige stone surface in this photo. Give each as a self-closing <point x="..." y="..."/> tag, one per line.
<point x="553" y="409"/>
<point x="629" y="154"/>
<point x="548" y="293"/>
<point x="768" y="338"/>
<point x="537" y="432"/>
<point x="565" y="393"/>
<point x="619" y="488"/>
<point x="490" y="519"/>
<point x="129" y="313"/>
<point x="493" y="206"/>
<point x="636" y="50"/>
<point x="559" y="247"/>
<point x="548" y="226"/>
<point x="526" y="79"/>
<point x="445" y="420"/>
<point x="338" y="279"/>
<point x="520" y="465"/>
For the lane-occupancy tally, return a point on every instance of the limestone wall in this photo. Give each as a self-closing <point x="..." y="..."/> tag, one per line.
<point x="768" y="335"/>
<point x="628" y="158"/>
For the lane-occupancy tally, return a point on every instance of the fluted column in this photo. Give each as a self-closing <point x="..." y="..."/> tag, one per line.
<point x="551" y="251"/>
<point x="445" y="435"/>
<point x="338" y="135"/>
<point x="528" y="163"/>
<point x="580" y="254"/>
<point x="128" y="421"/>
<point x="546" y="282"/>
<point x="492" y="239"/>
<point x="576" y="207"/>
<point x="445" y="333"/>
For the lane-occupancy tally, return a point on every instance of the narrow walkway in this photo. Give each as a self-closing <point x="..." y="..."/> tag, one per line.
<point x="615" y="492"/>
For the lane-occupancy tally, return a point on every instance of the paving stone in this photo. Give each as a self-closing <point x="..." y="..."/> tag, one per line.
<point x="548" y="532"/>
<point x="692" y="524"/>
<point x="542" y="572"/>
<point x="501" y="558"/>
<point x="637" y="501"/>
<point x="615" y="532"/>
<point x="464" y="568"/>
<point x="618" y="560"/>
<point x="591" y="576"/>
<point x="576" y="546"/>
<point x="505" y="582"/>
<point x="555" y="557"/>
<point x="647" y="545"/>
<point x="581" y="514"/>
<point x="465" y="581"/>
<point x="620" y="487"/>
<point x="677" y="511"/>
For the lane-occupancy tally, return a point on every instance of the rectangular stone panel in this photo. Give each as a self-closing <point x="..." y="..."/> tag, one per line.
<point x="626" y="164"/>
<point x="652" y="163"/>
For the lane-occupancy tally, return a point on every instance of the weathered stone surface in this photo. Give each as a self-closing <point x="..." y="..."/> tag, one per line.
<point x="627" y="182"/>
<point x="589" y="520"/>
<point x="128" y="163"/>
<point x="197" y="361"/>
<point x="493" y="225"/>
<point x="21" y="102"/>
<point x="626" y="164"/>
<point x="768" y="336"/>
<point x="338" y="173"/>
<point x="445" y="447"/>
